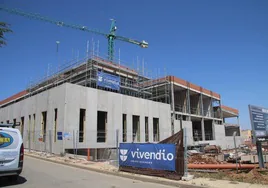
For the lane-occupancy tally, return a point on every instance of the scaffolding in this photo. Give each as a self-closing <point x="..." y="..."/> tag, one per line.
<point x="133" y="82"/>
<point x="136" y="82"/>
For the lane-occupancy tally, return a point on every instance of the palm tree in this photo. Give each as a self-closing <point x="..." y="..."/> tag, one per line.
<point x="4" y="28"/>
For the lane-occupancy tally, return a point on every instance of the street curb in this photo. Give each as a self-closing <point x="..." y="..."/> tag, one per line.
<point x="129" y="176"/>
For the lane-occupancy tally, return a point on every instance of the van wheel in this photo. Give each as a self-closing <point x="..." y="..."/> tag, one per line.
<point x="13" y="178"/>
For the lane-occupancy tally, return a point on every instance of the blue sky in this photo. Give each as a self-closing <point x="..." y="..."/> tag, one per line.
<point x="219" y="45"/>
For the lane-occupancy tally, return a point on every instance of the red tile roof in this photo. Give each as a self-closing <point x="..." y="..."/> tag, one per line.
<point x="13" y="97"/>
<point x="193" y="86"/>
<point x="233" y="110"/>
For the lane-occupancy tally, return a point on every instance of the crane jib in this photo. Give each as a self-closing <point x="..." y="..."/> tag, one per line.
<point x="111" y="35"/>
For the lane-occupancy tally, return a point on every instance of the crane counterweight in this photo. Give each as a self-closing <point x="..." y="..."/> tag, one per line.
<point x="144" y="44"/>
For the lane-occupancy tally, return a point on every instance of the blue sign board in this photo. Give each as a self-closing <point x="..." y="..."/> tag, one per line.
<point x="108" y="80"/>
<point x="259" y="122"/>
<point x="153" y="156"/>
<point x="67" y="135"/>
<point x="59" y="135"/>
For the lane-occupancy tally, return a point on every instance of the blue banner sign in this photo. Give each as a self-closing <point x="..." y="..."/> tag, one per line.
<point x="259" y="122"/>
<point x="153" y="156"/>
<point x="108" y="80"/>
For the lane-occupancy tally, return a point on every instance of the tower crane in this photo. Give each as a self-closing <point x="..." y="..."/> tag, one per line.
<point x="111" y="36"/>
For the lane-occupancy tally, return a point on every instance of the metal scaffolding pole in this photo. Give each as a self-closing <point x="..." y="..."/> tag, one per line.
<point x="188" y="102"/>
<point x="173" y="108"/>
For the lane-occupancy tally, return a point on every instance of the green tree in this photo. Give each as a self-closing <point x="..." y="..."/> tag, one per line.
<point x="4" y="28"/>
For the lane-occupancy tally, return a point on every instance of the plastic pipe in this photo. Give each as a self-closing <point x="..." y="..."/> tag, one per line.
<point x="220" y="166"/>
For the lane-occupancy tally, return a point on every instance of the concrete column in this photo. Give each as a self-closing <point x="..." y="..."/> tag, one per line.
<point x="201" y="105"/>
<point x="172" y="108"/>
<point x="188" y="103"/>
<point x="142" y="128"/>
<point x="211" y="108"/>
<point x="213" y="130"/>
<point x="184" y="105"/>
<point x="95" y="154"/>
<point x="129" y="128"/>
<point x="221" y="115"/>
<point x="203" y="129"/>
<point x="238" y="125"/>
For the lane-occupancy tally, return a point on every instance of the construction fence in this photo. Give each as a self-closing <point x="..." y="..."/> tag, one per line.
<point x="103" y="146"/>
<point x="99" y="145"/>
<point x="68" y="141"/>
<point x="69" y="144"/>
<point x="44" y="141"/>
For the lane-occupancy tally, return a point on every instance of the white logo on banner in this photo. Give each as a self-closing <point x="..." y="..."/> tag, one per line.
<point x="160" y="155"/>
<point x="100" y="78"/>
<point x="123" y="154"/>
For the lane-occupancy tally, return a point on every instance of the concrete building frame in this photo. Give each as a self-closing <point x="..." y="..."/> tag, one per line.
<point x="177" y="103"/>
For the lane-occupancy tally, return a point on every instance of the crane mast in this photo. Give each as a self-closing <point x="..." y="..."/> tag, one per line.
<point x="111" y="36"/>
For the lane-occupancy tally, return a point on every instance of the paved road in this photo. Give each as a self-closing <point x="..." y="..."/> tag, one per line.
<point x="42" y="174"/>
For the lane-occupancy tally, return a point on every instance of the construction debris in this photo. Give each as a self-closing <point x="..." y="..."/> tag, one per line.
<point x="212" y="149"/>
<point x="203" y="159"/>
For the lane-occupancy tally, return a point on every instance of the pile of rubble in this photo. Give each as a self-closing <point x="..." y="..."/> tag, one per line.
<point x="208" y="156"/>
<point x="203" y="159"/>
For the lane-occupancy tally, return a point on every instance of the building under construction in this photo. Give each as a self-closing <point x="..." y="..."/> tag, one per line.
<point x="91" y="99"/>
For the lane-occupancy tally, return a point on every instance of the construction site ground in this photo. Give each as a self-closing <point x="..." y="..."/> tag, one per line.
<point x="228" y="179"/>
<point x="253" y="176"/>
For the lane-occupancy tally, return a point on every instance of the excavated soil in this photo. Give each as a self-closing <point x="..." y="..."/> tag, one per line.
<point x="255" y="176"/>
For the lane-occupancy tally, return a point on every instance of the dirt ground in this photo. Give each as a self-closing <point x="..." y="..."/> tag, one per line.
<point x="77" y="160"/>
<point x="255" y="176"/>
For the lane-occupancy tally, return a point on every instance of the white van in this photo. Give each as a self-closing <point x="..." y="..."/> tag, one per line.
<point x="11" y="151"/>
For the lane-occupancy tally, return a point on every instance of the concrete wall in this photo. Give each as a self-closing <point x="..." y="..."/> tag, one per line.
<point x="189" y="129"/>
<point x="225" y="142"/>
<point x="68" y="99"/>
<point x="115" y="105"/>
<point x="45" y="101"/>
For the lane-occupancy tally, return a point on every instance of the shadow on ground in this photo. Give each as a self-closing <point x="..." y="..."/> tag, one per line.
<point x="5" y="182"/>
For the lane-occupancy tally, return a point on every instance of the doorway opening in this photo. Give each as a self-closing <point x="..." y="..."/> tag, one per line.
<point x="136" y="128"/>
<point x="101" y="126"/>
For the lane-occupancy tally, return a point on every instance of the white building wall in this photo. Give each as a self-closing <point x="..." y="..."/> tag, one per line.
<point x="45" y="101"/>
<point x="115" y="105"/>
<point x="225" y="142"/>
<point x="189" y="129"/>
<point x="68" y="99"/>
